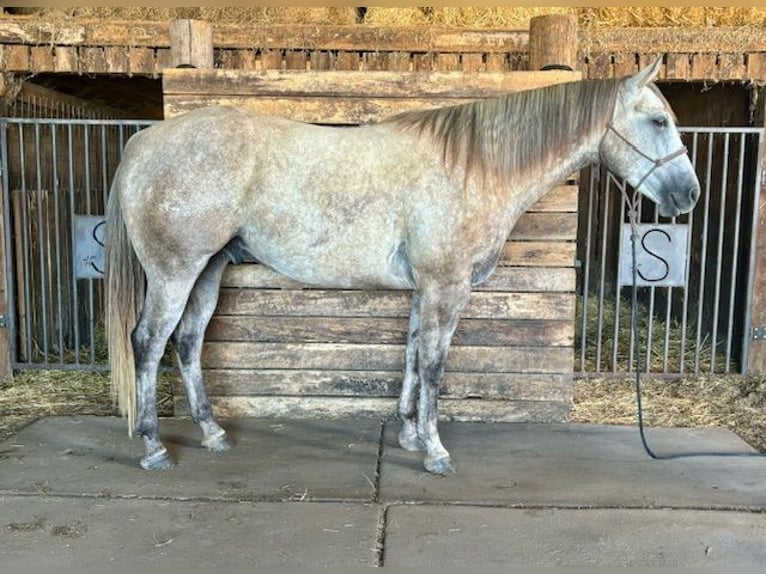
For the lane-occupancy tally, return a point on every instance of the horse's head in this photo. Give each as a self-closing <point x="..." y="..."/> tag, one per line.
<point x="642" y="145"/>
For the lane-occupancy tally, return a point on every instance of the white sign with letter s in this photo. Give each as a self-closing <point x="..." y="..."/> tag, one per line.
<point x="661" y="255"/>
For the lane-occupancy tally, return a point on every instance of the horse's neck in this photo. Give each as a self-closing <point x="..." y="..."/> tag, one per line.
<point x="533" y="184"/>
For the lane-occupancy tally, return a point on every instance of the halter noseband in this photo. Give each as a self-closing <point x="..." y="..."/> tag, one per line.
<point x="656" y="163"/>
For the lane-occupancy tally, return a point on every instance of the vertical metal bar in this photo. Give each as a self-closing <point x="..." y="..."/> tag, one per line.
<point x="703" y="256"/>
<point x="10" y="282"/>
<point x="586" y="270"/>
<point x="755" y="210"/>
<point x="719" y="253"/>
<point x="89" y="211"/>
<point x="57" y="243"/>
<point x="602" y="278"/>
<point x="618" y="290"/>
<point x="25" y="246"/>
<point x="72" y="211"/>
<point x="41" y="227"/>
<point x="685" y="302"/>
<point x="650" y="313"/>
<point x="735" y="253"/>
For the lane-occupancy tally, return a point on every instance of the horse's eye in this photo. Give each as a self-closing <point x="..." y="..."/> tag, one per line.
<point x="660" y="121"/>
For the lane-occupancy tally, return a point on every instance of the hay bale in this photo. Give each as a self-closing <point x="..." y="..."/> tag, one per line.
<point x="468" y="17"/>
<point x="462" y="17"/>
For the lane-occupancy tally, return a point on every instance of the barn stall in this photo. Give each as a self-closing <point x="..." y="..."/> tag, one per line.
<point x="143" y="53"/>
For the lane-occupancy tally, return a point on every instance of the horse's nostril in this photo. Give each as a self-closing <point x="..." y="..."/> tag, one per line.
<point x="694" y="192"/>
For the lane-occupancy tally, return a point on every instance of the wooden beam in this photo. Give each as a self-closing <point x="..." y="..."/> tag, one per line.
<point x="553" y="41"/>
<point x="296" y="37"/>
<point x="6" y="360"/>
<point x="756" y="329"/>
<point x="191" y="44"/>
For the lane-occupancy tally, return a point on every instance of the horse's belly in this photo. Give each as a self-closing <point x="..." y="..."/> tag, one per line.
<point x="341" y="267"/>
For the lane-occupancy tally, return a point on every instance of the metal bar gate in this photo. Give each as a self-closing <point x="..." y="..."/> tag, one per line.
<point x="700" y="328"/>
<point x="56" y="175"/>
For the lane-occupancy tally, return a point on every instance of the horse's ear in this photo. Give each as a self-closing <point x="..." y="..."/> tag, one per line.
<point x="645" y="76"/>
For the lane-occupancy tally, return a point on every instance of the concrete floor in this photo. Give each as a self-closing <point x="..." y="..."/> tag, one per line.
<point x="341" y="493"/>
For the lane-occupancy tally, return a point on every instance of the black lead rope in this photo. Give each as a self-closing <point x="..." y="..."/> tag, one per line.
<point x="633" y="218"/>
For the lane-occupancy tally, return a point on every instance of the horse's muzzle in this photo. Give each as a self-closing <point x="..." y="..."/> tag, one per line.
<point x="680" y="199"/>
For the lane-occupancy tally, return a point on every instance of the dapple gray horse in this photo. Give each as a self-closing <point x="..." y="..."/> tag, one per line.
<point x="422" y="201"/>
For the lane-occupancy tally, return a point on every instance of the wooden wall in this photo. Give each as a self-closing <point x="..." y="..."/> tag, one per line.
<point x="277" y="347"/>
<point x="143" y="48"/>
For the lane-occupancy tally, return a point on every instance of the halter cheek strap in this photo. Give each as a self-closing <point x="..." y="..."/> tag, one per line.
<point x="656" y="163"/>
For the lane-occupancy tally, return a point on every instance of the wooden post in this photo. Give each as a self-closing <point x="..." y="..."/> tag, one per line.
<point x="191" y="44"/>
<point x="756" y="357"/>
<point x="6" y="361"/>
<point x="553" y="42"/>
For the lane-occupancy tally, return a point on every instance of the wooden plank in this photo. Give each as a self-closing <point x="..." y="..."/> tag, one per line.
<point x="677" y="66"/>
<point x="562" y="198"/>
<point x="470" y="332"/>
<point x="354" y="38"/>
<point x="6" y="360"/>
<point x="116" y="59"/>
<point x="545" y="226"/>
<point x="377" y="84"/>
<point x="525" y="279"/>
<point x="539" y="254"/>
<point x="756" y="66"/>
<point x="624" y="63"/>
<point x="311" y="110"/>
<point x="191" y="43"/>
<point x="683" y="40"/>
<point x="369" y="303"/>
<point x="140" y="61"/>
<point x="373" y="357"/>
<point x="756" y="358"/>
<point x="333" y="407"/>
<point x="66" y="59"/>
<point x="703" y="67"/>
<point x="731" y="67"/>
<point x="93" y="59"/>
<point x="41" y="59"/>
<point x="259" y="382"/>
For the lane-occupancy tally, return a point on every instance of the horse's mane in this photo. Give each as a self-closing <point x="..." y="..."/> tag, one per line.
<point x="500" y="137"/>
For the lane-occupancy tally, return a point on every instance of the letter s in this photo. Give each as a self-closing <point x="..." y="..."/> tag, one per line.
<point x="655" y="255"/>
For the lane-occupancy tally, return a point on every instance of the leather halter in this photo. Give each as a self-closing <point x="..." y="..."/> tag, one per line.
<point x="656" y="163"/>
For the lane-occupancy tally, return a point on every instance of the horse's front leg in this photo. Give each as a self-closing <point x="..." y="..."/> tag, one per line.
<point x="439" y="314"/>
<point x="408" y="435"/>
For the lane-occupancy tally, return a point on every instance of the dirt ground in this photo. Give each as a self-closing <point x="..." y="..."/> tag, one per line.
<point x="735" y="402"/>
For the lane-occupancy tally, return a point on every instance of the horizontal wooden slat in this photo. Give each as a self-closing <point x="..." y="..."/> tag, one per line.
<point x="546" y="227"/>
<point x="340" y="97"/>
<point x="333" y="407"/>
<point x="481" y="332"/>
<point x="296" y="84"/>
<point x="259" y="382"/>
<point x="522" y="279"/>
<point x="304" y="37"/>
<point x="331" y="111"/>
<point x="335" y="356"/>
<point x="562" y="198"/>
<point x="369" y="303"/>
<point x="538" y="254"/>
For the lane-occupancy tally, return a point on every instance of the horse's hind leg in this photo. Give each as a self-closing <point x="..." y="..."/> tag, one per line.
<point x="408" y="435"/>
<point x="188" y="339"/>
<point x="163" y="306"/>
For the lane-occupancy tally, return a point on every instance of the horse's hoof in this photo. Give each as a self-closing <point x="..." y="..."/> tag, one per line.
<point x="218" y="443"/>
<point x="158" y="460"/>
<point x="441" y="466"/>
<point x="410" y="441"/>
